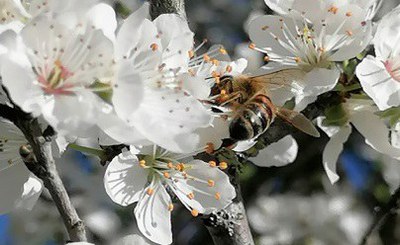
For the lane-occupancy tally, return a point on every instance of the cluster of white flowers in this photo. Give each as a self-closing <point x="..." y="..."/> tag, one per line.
<point x="315" y="41"/>
<point x="141" y="83"/>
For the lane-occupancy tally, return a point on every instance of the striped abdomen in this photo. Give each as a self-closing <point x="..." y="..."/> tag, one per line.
<point x="252" y="119"/>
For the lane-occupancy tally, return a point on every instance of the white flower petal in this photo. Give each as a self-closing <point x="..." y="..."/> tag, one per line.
<point x="215" y="133"/>
<point x="12" y="182"/>
<point x="32" y="190"/>
<point x="264" y="29"/>
<point x="12" y="10"/>
<point x="386" y="39"/>
<point x="128" y="92"/>
<point x="195" y="85"/>
<point x="320" y="80"/>
<point x="102" y="16"/>
<point x="124" y="179"/>
<point x="205" y="200"/>
<point x="360" y="39"/>
<point x="176" y="40"/>
<point x="378" y="83"/>
<point x="72" y="114"/>
<point x="117" y="130"/>
<point x="332" y="151"/>
<point x="378" y="137"/>
<point x="244" y="145"/>
<point x="129" y="32"/>
<point x="277" y="154"/>
<point x="303" y="101"/>
<point x="19" y="82"/>
<point x="167" y="116"/>
<point x="153" y="217"/>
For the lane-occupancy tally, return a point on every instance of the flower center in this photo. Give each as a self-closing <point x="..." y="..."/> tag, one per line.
<point x="393" y="67"/>
<point x="54" y="82"/>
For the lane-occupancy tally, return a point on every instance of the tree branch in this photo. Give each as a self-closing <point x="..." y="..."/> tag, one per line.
<point x="382" y="214"/>
<point x="42" y="164"/>
<point x="158" y="7"/>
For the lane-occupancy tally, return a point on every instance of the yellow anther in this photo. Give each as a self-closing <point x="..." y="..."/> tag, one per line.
<point x="228" y="68"/>
<point x="217" y="196"/>
<point x="349" y="33"/>
<point x="170" y="207"/>
<point x="191" y="53"/>
<point x="217" y="80"/>
<point x="58" y="63"/>
<point x="190" y="196"/>
<point x="211" y="183"/>
<point x="297" y="59"/>
<point x="194" y="213"/>
<point x="320" y="49"/>
<point x="215" y="62"/>
<point x="266" y="58"/>
<point x="223" y="51"/>
<point x="180" y="167"/>
<point x="212" y="164"/>
<point x="252" y="46"/>
<point x="349" y="14"/>
<point x="170" y="165"/>
<point x="223" y="92"/>
<point x="223" y="165"/>
<point x="210" y="148"/>
<point x="166" y="175"/>
<point x="154" y="46"/>
<point x="142" y="163"/>
<point x="149" y="191"/>
<point x="206" y="58"/>
<point x="333" y="9"/>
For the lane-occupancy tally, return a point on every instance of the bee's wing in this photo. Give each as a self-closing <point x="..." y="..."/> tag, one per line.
<point x="288" y="78"/>
<point x="298" y="120"/>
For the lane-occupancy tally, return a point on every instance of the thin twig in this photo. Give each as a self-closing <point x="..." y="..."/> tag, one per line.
<point x="381" y="214"/>
<point x="42" y="164"/>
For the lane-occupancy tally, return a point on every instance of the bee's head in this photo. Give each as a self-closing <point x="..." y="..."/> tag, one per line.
<point x="224" y="84"/>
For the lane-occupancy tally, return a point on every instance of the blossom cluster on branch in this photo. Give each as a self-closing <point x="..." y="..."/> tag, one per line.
<point x="142" y="83"/>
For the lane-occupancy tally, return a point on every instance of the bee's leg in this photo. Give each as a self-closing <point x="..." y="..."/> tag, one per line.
<point x="232" y="98"/>
<point x="209" y="102"/>
<point x="229" y="143"/>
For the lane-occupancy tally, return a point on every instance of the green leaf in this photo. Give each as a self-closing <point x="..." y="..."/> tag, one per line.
<point x="336" y="115"/>
<point x="103" y="90"/>
<point x="392" y="114"/>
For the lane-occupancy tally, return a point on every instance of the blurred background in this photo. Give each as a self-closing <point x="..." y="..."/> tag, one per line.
<point x="295" y="204"/>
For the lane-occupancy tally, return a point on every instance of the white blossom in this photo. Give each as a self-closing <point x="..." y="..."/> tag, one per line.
<point x="307" y="40"/>
<point x="149" y="93"/>
<point x="147" y="177"/>
<point x="380" y="75"/>
<point x="54" y="71"/>
<point x="361" y="115"/>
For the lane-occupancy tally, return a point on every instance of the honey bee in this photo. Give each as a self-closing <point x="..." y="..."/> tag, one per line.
<point x="252" y="110"/>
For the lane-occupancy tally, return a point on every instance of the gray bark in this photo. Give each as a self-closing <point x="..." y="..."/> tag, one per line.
<point x="158" y="7"/>
<point x="41" y="163"/>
